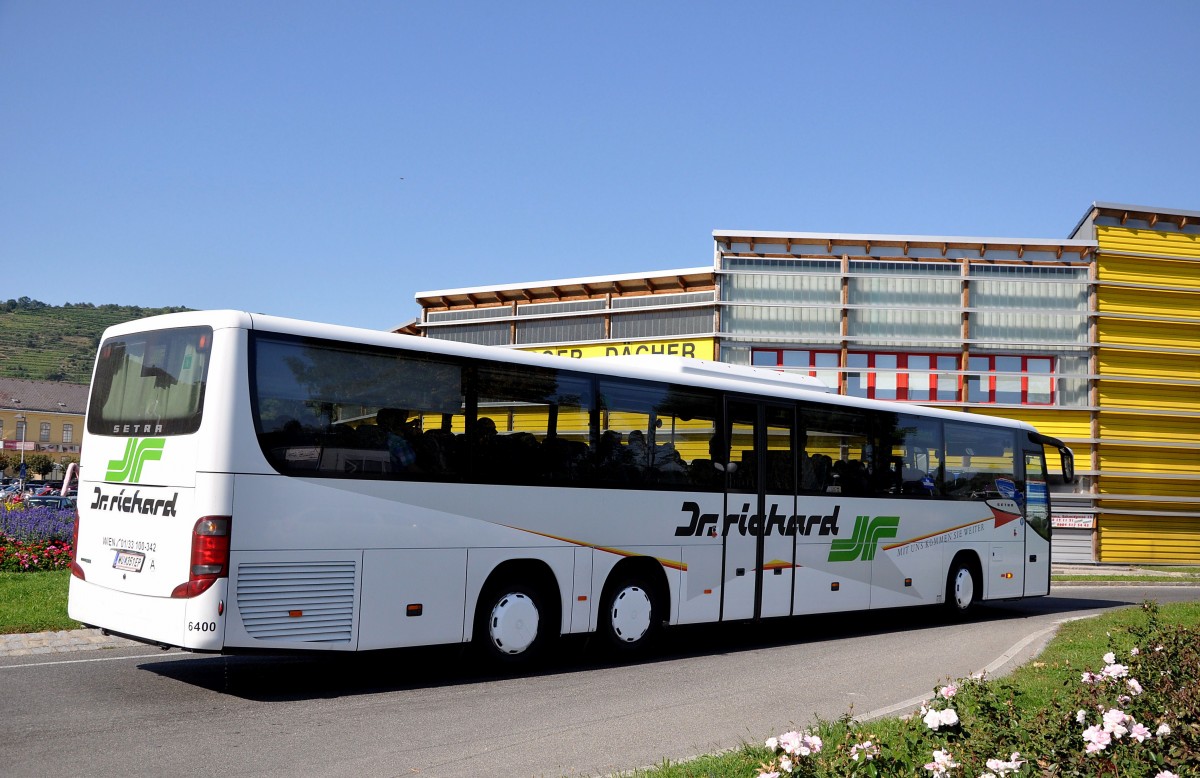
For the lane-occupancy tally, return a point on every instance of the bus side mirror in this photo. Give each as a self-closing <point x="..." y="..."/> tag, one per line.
<point x="1068" y="464"/>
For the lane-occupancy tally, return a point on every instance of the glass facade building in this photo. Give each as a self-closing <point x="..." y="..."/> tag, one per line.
<point x="1094" y="339"/>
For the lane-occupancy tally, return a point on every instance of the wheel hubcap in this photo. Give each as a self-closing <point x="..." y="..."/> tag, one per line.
<point x="964" y="588"/>
<point x="513" y="625"/>
<point x="631" y="613"/>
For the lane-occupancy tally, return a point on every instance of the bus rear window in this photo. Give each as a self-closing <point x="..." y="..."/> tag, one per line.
<point x="151" y="383"/>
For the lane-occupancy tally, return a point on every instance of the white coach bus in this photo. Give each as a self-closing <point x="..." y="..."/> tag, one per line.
<point x="258" y="483"/>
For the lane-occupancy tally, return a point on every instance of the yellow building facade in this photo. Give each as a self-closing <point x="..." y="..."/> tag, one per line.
<point x="41" y="417"/>
<point x="1146" y="391"/>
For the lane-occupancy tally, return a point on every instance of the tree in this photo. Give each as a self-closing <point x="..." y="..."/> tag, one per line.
<point x="38" y="463"/>
<point x="6" y="461"/>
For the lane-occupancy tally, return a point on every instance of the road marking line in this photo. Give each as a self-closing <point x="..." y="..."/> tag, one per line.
<point x="78" y="661"/>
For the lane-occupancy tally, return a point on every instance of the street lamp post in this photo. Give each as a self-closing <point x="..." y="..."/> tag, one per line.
<point x="21" y="472"/>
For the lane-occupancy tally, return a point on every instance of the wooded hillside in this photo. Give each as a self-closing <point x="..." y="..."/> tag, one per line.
<point x="58" y="343"/>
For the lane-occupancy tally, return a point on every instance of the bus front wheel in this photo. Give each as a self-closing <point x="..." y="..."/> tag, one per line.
<point x="629" y="615"/>
<point x="512" y="623"/>
<point x="962" y="587"/>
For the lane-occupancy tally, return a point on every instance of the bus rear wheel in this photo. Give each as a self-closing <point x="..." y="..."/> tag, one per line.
<point x="962" y="587"/>
<point x="629" y="615"/>
<point x="512" y="623"/>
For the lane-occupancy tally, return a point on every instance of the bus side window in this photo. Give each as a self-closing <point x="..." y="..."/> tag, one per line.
<point x="916" y="454"/>
<point x="543" y="425"/>
<point x="839" y="451"/>
<point x="655" y="435"/>
<point x="980" y="462"/>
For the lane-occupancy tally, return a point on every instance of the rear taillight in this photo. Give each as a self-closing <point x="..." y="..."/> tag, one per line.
<point x="210" y="556"/>
<point x="76" y="570"/>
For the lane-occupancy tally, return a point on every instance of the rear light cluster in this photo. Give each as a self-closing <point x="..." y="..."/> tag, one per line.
<point x="210" y="556"/>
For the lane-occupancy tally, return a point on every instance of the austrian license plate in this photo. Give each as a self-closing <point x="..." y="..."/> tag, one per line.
<point x="129" y="560"/>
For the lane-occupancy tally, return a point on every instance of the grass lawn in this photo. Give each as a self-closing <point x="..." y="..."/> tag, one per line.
<point x="34" y="602"/>
<point x="1136" y="574"/>
<point x="1128" y="578"/>
<point x="1077" y="645"/>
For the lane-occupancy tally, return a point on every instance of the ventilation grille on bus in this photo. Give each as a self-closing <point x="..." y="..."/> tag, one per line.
<point x="310" y="602"/>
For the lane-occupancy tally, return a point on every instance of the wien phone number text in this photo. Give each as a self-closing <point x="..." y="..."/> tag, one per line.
<point x="130" y="545"/>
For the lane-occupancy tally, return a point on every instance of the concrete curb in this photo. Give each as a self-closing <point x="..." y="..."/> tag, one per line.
<point x="59" y="642"/>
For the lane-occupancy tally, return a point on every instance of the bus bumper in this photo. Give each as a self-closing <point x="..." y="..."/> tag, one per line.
<point x="196" y="624"/>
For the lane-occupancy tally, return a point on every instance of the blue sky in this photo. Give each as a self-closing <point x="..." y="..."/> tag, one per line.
<point x="329" y="160"/>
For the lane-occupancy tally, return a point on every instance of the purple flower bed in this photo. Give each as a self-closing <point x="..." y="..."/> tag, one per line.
<point x="35" y="538"/>
<point x="30" y="524"/>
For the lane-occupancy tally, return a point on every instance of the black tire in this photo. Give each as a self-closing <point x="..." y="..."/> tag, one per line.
<point x="962" y="587"/>
<point x="514" y="623"/>
<point x="630" y="614"/>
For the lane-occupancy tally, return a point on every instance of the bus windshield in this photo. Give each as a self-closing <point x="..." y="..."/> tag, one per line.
<point x="150" y="383"/>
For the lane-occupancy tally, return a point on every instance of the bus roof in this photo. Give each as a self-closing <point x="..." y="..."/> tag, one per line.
<point x="686" y="366"/>
<point x="701" y="373"/>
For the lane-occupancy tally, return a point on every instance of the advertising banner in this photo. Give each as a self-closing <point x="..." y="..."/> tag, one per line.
<point x="690" y="349"/>
<point x="1073" y="521"/>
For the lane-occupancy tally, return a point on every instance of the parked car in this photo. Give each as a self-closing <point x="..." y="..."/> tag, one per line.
<point x="50" y="501"/>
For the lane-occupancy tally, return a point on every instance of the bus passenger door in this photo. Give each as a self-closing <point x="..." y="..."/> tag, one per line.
<point x="1036" y="506"/>
<point x="759" y="564"/>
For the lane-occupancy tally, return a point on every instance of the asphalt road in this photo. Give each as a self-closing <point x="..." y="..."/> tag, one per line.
<point x="138" y="711"/>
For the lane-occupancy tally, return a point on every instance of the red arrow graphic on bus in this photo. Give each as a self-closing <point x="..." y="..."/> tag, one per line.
<point x="1005" y="511"/>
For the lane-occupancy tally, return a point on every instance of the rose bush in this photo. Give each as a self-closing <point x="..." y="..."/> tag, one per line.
<point x="1136" y="714"/>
